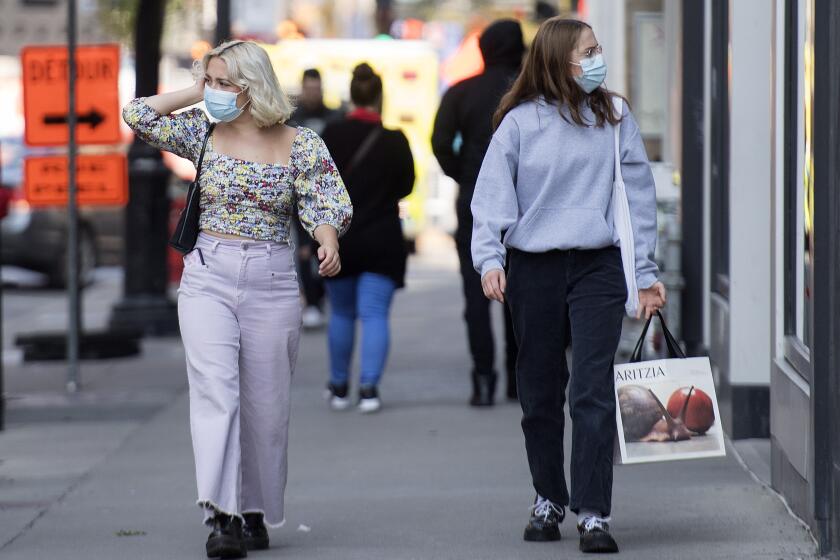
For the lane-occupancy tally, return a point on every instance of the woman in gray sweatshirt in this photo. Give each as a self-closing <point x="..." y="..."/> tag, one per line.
<point x="542" y="206"/>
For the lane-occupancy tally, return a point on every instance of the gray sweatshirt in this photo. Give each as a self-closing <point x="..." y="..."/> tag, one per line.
<point x="547" y="184"/>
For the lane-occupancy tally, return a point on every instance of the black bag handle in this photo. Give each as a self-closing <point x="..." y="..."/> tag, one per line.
<point x="674" y="350"/>
<point x="201" y="155"/>
<point x="184" y="236"/>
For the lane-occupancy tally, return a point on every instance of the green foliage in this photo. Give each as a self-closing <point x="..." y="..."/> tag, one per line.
<point x="118" y="16"/>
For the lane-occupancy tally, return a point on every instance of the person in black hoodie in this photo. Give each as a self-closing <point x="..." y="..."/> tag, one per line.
<point x="466" y="112"/>
<point x="378" y="170"/>
<point x="313" y="114"/>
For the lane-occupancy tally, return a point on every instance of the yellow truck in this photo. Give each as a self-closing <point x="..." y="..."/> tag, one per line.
<point x="409" y="71"/>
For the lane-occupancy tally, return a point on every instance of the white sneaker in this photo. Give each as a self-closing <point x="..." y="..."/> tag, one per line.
<point x="368" y="406"/>
<point x="313" y="318"/>
<point x="338" y="403"/>
<point x="369" y="400"/>
<point x="337" y="397"/>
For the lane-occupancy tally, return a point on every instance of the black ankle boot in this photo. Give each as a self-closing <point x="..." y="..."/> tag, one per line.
<point x="484" y="389"/>
<point x="255" y="532"/>
<point x="225" y="541"/>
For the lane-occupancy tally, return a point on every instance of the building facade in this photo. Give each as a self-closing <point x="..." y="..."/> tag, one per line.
<point x="805" y="263"/>
<point x="761" y="157"/>
<point x="751" y="128"/>
<point x="38" y="22"/>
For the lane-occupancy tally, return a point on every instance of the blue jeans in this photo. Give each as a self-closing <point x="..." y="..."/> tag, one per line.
<point x="367" y="296"/>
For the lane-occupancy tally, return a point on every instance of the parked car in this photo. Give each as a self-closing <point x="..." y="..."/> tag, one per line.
<point x="36" y="238"/>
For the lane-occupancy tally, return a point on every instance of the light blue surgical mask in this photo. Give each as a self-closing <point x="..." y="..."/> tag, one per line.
<point x="221" y="104"/>
<point x="594" y="72"/>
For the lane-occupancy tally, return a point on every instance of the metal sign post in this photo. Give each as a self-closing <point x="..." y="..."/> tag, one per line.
<point x="71" y="98"/>
<point x="2" y="393"/>
<point x="74" y="326"/>
<point x="4" y="201"/>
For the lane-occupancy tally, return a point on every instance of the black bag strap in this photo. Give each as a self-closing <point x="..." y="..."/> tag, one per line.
<point x="201" y="155"/>
<point x="674" y="350"/>
<point x="363" y="149"/>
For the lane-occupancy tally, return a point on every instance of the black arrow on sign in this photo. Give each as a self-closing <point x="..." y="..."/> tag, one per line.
<point x="93" y="117"/>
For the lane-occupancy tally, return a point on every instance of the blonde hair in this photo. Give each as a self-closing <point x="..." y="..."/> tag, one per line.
<point x="250" y="68"/>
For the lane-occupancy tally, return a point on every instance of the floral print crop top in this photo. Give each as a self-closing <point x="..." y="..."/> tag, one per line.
<point x="247" y="198"/>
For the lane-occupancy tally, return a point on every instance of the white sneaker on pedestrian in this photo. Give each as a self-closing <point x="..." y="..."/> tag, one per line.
<point x="313" y="318"/>
<point x="369" y="400"/>
<point x="337" y="397"/>
<point x="338" y="403"/>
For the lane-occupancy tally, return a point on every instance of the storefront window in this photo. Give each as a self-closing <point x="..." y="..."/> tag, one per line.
<point x="648" y="78"/>
<point x="799" y="185"/>
<point x="805" y="305"/>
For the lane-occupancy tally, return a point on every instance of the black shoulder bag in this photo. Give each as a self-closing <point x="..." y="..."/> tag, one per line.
<point x="186" y="232"/>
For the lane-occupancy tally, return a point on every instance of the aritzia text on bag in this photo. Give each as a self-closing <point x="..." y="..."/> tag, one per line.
<point x="633" y="373"/>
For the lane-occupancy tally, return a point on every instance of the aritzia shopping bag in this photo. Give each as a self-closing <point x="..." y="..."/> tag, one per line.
<point x="666" y="409"/>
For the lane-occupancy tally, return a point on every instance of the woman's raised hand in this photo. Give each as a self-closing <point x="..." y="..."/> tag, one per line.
<point x="198" y="75"/>
<point x="494" y="284"/>
<point x="198" y="89"/>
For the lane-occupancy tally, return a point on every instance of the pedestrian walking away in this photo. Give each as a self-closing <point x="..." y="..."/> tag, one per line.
<point x="378" y="169"/>
<point x="239" y="304"/>
<point x="312" y="113"/>
<point x="543" y="200"/>
<point x="462" y="131"/>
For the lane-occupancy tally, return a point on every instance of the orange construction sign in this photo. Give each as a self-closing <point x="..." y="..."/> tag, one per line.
<point x="101" y="180"/>
<point x="45" y="99"/>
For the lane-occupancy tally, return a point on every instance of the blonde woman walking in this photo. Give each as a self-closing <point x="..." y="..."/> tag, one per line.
<point x="239" y="305"/>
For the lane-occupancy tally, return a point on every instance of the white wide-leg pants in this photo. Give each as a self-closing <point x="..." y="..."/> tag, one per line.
<point x="239" y="309"/>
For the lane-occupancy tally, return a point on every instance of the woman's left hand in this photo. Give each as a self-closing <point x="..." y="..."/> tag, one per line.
<point x="330" y="261"/>
<point x="327" y="236"/>
<point x="651" y="300"/>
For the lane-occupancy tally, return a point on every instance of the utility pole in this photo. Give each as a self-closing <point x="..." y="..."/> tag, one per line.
<point x="222" y="21"/>
<point x="145" y="305"/>
<point x="4" y="206"/>
<point x="691" y="176"/>
<point x="74" y="328"/>
<point x="384" y="16"/>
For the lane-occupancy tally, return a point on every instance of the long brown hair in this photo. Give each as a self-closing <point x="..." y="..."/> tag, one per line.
<point x="546" y="73"/>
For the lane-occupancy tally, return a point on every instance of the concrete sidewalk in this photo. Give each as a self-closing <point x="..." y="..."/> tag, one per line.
<point x="109" y="474"/>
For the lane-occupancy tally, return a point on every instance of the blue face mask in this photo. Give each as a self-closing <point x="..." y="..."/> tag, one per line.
<point x="221" y="104"/>
<point x="594" y="72"/>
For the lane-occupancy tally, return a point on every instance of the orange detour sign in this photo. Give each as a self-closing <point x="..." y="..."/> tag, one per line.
<point x="45" y="100"/>
<point x="102" y="180"/>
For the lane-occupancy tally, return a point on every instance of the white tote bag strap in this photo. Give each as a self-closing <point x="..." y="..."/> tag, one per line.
<point x="621" y="221"/>
<point x="618" y="104"/>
